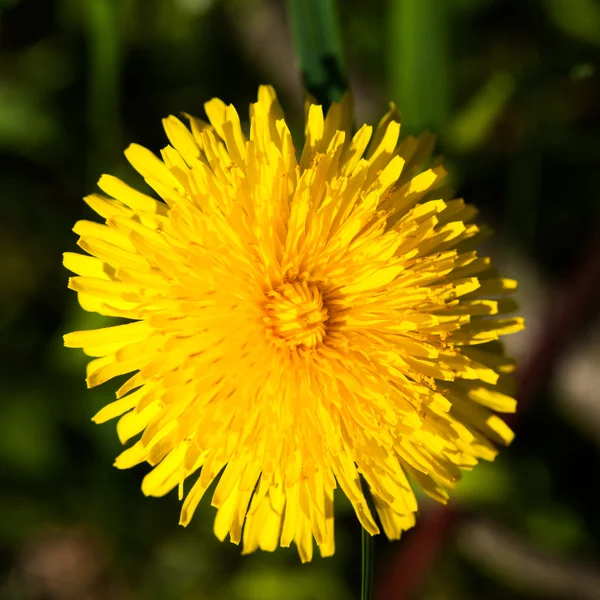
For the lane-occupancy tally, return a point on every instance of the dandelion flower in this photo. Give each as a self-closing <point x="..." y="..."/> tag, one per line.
<point x="297" y="322"/>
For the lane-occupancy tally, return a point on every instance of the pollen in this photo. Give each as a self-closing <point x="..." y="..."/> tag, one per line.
<point x="296" y="315"/>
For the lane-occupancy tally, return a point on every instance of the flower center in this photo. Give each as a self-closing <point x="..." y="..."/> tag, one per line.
<point x="295" y="314"/>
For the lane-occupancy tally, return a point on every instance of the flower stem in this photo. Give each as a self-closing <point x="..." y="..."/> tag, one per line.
<point x="104" y="21"/>
<point x="318" y="46"/>
<point x="419" y="63"/>
<point x="368" y="558"/>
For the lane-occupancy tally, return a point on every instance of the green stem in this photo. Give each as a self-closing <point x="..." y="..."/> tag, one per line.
<point x="104" y="32"/>
<point x="368" y="560"/>
<point x="318" y="46"/>
<point x="418" y="45"/>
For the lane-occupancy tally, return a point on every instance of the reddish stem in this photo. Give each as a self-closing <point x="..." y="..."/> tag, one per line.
<point x="416" y="556"/>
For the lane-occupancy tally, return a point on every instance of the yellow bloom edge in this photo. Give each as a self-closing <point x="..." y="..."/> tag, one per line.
<point x="296" y="324"/>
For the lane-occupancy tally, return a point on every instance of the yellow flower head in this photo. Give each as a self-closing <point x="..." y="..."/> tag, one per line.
<point x="298" y="323"/>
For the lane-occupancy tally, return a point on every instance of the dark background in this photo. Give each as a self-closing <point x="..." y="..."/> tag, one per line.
<point x="512" y="88"/>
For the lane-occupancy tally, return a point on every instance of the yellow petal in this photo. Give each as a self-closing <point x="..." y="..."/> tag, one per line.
<point x="180" y="137"/>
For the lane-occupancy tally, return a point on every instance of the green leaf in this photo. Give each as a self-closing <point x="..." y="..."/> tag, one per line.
<point x="419" y="61"/>
<point x="474" y="123"/>
<point x="317" y="41"/>
<point x="104" y="26"/>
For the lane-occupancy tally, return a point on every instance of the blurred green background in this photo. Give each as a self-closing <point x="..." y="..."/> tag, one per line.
<point x="511" y="87"/>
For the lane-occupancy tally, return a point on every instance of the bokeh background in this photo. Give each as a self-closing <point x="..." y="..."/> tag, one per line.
<point x="511" y="87"/>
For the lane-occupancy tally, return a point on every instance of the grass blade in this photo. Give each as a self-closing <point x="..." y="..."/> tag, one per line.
<point x="318" y="46"/>
<point x="419" y="61"/>
<point x="104" y="20"/>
